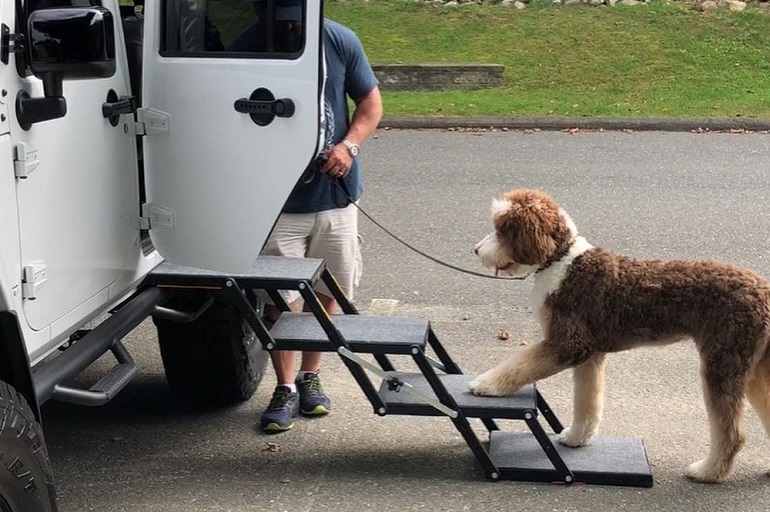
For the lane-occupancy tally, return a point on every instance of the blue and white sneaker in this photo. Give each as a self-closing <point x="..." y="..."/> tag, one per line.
<point x="279" y="415"/>
<point x="312" y="400"/>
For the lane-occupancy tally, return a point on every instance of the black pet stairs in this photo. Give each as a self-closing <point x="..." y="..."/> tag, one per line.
<point x="439" y="389"/>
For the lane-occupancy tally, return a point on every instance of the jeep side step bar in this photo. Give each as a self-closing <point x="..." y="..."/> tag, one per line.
<point x="107" y="387"/>
<point x="48" y="378"/>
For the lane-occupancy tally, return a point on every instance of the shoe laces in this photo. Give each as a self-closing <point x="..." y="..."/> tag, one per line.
<point x="312" y="385"/>
<point x="280" y="399"/>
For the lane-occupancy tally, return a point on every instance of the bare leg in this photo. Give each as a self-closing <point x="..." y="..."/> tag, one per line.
<point x="525" y="366"/>
<point x="724" y="404"/>
<point x="311" y="361"/>
<point x="283" y="360"/>
<point x="588" y="402"/>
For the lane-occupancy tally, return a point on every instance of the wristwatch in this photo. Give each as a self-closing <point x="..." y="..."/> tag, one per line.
<point x="352" y="147"/>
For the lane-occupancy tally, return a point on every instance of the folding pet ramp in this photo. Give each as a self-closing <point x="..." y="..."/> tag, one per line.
<point x="440" y="389"/>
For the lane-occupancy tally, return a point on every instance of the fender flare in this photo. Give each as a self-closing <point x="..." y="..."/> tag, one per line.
<point x="14" y="360"/>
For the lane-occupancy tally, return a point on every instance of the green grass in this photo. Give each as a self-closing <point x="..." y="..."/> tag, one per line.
<point x="653" y="60"/>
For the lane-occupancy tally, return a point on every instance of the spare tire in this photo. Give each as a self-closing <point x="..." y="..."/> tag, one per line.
<point x="213" y="360"/>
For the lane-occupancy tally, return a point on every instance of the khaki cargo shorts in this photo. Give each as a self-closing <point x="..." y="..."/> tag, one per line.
<point x="331" y="235"/>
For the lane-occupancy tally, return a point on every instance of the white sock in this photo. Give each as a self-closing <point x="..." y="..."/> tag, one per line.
<point x="301" y="375"/>
<point x="292" y="387"/>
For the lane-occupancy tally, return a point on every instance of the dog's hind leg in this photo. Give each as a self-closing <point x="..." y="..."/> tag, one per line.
<point x="588" y="402"/>
<point x="758" y="392"/>
<point x="525" y="366"/>
<point x="723" y="390"/>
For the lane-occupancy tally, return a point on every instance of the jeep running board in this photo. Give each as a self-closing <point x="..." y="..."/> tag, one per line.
<point x="49" y="379"/>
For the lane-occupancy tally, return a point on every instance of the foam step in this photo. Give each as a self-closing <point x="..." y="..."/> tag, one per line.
<point x="268" y="272"/>
<point x="510" y="407"/>
<point x="363" y="333"/>
<point x="606" y="461"/>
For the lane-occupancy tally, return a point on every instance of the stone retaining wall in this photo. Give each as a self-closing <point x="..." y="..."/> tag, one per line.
<point x="438" y="76"/>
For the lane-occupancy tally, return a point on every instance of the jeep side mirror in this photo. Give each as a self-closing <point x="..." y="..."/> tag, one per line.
<point x="65" y="44"/>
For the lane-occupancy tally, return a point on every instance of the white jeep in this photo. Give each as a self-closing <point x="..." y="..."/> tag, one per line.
<point x="127" y="139"/>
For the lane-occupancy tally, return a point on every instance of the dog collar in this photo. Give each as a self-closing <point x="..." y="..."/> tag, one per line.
<point x="559" y="256"/>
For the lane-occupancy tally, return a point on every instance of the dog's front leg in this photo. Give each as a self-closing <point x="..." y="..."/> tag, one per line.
<point x="525" y="366"/>
<point x="588" y="402"/>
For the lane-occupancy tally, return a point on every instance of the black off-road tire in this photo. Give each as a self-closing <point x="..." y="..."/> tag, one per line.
<point x="26" y="476"/>
<point x="215" y="360"/>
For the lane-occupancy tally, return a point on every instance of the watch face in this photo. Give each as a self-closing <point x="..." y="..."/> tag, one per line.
<point x="352" y="148"/>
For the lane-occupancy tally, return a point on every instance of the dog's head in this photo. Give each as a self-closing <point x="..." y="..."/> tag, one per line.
<point x="531" y="231"/>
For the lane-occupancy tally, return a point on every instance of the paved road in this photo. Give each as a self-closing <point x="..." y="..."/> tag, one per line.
<point x="649" y="194"/>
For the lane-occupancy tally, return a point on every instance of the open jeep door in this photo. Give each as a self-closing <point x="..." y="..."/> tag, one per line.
<point x="231" y="110"/>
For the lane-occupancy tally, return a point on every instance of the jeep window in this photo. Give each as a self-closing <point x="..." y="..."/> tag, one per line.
<point x="273" y="29"/>
<point x="55" y="4"/>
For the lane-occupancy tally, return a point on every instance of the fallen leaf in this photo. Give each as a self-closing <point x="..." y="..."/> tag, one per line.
<point x="272" y="448"/>
<point x="502" y="334"/>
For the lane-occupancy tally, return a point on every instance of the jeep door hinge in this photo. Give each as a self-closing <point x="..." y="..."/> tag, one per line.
<point x="151" y="122"/>
<point x="25" y="162"/>
<point x="156" y="217"/>
<point x="34" y="276"/>
<point x="9" y="43"/>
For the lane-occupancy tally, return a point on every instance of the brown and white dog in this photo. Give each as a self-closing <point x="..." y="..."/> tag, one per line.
<point x="591" y="302"/>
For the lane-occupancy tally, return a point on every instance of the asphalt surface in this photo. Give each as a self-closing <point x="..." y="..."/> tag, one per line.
<point x="650" y="194"/>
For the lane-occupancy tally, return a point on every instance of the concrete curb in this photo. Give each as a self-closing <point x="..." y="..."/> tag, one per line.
<point x="582" y="123"/>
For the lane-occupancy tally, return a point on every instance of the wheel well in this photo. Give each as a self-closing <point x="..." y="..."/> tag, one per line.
<point x="14" y="361"/>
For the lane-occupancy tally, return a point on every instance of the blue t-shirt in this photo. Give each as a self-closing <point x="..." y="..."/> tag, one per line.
<point x="348" y="73"/>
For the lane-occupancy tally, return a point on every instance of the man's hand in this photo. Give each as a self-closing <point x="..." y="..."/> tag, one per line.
<point x="339" y="162"/>
<point x="366" y="117"/>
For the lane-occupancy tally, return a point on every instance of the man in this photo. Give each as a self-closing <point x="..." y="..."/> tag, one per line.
<point x="318" y="220"/>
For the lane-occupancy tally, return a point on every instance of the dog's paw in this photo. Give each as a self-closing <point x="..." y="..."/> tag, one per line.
<point x="484" y="385"/>
<point x="575" y="437"/>
<point x="705" y="472"/>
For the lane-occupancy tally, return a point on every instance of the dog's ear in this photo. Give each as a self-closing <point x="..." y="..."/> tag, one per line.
<point x="523" y="236"/>
<point x="531" y="229"/>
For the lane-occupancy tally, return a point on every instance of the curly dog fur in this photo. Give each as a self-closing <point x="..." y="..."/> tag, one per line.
<point x="591" y="302"/>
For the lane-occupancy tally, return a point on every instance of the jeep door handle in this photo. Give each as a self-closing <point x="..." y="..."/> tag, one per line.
<point x="116" y="106"/>
<point x="263" y="107"/>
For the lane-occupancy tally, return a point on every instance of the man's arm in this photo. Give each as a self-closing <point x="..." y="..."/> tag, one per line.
<point x="366" y="118"/>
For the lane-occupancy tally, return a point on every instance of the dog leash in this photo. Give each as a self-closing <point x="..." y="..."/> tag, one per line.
<point x="344" y="188"/>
